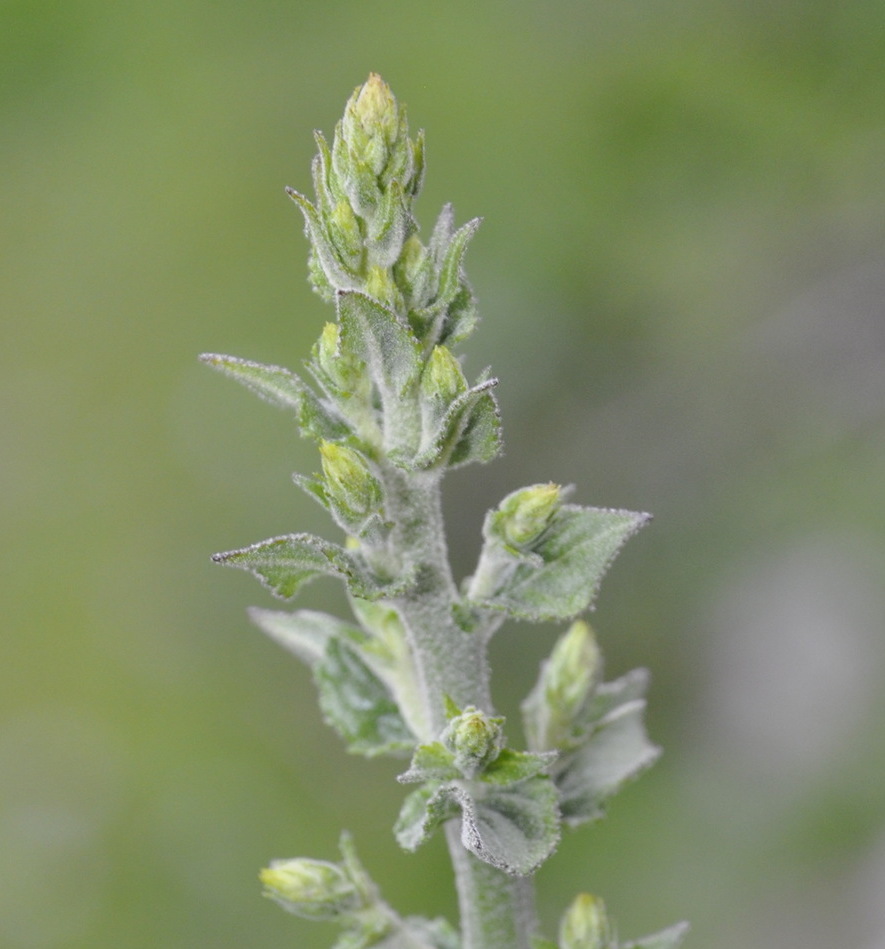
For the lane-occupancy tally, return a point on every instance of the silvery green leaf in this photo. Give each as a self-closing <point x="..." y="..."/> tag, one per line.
<point x="514" y="828"/>
<point x="284" y="389"/>
<point x="356" y="703"/>
<point x="617" y="750"/>
<point x="284" y="564"/>
<point x="434" y="933"/>
<point x="561" y="575"/>
<point x="668" y="938"/>
<point x="305" y="633"/>
<point x="607" y="696"/>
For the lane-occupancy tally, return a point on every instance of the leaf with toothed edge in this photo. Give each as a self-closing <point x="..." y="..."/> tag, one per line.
<point x="558" y="578"/>
<point x="284" y="564"/>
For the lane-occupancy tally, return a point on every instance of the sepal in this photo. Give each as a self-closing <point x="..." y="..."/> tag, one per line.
<point x="451" y="316"/>
<point x="345" y="894"/>
<point x="557" y="575"/>
<point x="336" y="274"/>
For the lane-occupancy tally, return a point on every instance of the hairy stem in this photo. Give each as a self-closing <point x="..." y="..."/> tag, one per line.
<point x="497" y="910"/>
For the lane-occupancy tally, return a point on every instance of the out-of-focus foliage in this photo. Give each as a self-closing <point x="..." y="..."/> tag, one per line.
<point x="681" y="278"/>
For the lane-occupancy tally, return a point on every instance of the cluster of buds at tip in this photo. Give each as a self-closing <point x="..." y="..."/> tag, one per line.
<point x="313" y="889"/>
<point x="585" y="925"/>
<point x="364" y="183"/>
<point x="474" y="739"/>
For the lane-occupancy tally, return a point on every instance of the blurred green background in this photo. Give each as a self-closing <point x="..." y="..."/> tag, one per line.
<point x="682" y="275"/>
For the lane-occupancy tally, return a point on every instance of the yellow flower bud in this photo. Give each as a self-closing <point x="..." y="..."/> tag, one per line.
<point x="585" y="925"/>
<point x="313" y="889"/>
<point x="525" y="514"/>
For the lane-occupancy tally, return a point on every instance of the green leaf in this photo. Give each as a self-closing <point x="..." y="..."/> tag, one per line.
<point x="356" y="703"/>
<point x="305" y="633"/>
<point x="559" y="578"/>
<point x="668" y="938"/>
<point x="617" y="750"/>
<point x="431" y="762"/>
<point x="511" y="767"/>
<point x="284" y="389"/>
<point x="285" y="564"/>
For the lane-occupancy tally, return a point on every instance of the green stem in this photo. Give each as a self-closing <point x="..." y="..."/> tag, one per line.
<point x="497" y="910"/>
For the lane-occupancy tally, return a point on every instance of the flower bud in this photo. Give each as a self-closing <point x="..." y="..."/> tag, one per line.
<point x="313" y="889"/>
<point x="572" y="671"/>
<point x="371" y="123"/>
<point x="342" y="370"/>
<point x="524" y="515"/>
<point x="348" y="479"/>
<point x="585" y="925"/>
<point x="474" y="739"/>
<point x="443" y="378"/>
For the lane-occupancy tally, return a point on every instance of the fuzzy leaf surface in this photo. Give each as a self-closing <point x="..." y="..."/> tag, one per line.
<point x="356" y="703"/>
<point x="513" y="827"/>
<point x="284" y="564"/>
